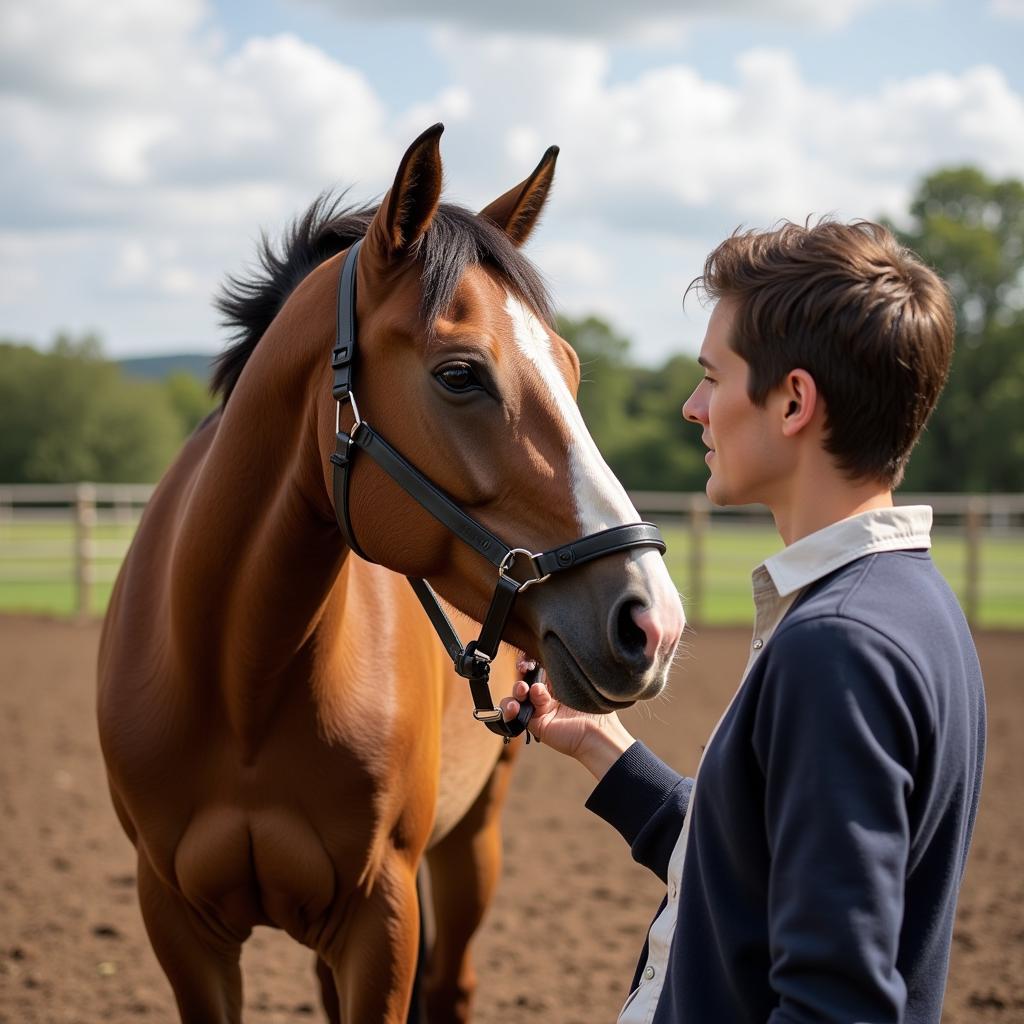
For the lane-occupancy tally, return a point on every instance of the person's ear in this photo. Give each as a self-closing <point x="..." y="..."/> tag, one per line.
<point x="798" y="401"/>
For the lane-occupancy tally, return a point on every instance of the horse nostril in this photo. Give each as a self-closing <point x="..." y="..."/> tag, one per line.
<point x="631" y="640"/>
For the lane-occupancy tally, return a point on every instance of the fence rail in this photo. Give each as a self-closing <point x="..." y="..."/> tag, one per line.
<point x="62" y="544"/>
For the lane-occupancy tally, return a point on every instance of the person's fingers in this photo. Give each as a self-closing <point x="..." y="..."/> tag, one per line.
<point x="537" y="693"/>
<point x="540" y="697"/>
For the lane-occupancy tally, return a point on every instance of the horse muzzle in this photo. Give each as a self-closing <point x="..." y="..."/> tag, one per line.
<point x="610" y="640"/>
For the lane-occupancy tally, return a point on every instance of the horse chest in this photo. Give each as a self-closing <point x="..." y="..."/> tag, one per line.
<point x="468" y="756"/>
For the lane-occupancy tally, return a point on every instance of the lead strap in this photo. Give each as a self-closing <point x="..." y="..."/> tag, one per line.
<point x="473" y="662"/>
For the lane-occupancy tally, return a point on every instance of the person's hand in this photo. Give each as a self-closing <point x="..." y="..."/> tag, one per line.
<point x="596" y="741"/>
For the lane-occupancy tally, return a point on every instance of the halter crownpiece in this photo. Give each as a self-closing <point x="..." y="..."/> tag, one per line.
<point x="472" y="660"/>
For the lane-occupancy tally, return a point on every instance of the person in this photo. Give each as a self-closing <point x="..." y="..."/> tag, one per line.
<point x="812" y="865"/>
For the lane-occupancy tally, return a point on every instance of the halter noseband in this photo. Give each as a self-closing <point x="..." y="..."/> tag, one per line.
<point x="472" y="661"/>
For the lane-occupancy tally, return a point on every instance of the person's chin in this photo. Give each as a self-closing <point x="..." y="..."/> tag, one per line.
<point x="716" y="492"/>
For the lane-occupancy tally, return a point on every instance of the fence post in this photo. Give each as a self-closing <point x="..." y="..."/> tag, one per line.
<point x="698" y="528"/>
<point x="122" y="505"/>
<point x="85" y="520"/>
<point x="972" y="569"/>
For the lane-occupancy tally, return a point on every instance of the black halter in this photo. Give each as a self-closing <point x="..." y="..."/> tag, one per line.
<point x="472" y="661"/>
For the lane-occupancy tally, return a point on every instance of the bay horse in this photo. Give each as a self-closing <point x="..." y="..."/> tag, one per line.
<point x="285" y="741"/>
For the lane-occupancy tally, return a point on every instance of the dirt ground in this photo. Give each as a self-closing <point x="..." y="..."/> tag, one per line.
<point x="559" y="949"/>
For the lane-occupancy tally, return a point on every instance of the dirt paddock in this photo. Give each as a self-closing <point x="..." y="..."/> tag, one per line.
<point x="558" y="945"/>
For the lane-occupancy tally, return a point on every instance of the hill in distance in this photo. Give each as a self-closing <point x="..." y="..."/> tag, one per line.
<point x="158" y="367"/>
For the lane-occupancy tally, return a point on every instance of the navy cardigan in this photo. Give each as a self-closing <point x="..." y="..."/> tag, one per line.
<point x="831" y="824"/>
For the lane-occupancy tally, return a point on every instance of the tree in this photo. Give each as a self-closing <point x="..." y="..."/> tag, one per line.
<point x="70" y="415"/>
<point x="970" y="228"/>
<point x="606" y="380"/>
<point x="666" y="453"/>
<point x="189" y="399"/>
<point x="634" y="413"/>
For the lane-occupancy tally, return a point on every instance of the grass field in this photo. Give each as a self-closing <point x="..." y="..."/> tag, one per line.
<point x="37" y="569"/>
<point x="732" y="551"/>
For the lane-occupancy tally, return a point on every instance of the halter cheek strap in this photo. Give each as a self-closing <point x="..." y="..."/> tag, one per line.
<point x="473" y="660"/>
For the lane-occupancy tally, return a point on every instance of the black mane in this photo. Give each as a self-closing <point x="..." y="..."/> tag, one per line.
<point x="457" y="238"/>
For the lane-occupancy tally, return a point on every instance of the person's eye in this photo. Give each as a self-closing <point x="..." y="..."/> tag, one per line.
<point x="459" y="377"/>
<point x="710" y="380"/>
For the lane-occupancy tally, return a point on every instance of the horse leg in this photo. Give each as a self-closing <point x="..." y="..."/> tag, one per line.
<point x="374" y="963"/>
<point x="203" y="968"/>
<point x="328" y="991"/>
<point x="464" y="870"/>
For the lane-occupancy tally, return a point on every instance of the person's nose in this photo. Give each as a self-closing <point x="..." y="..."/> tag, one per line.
<point x="695" y="409"/>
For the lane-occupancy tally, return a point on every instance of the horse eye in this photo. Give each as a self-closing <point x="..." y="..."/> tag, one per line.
<point x="458" y="377"/>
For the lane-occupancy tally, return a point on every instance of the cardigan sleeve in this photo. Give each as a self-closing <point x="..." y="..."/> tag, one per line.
<point x="645" y="801"/>
<point x="837" y="734"/>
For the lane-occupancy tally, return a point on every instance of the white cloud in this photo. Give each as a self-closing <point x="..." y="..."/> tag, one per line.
<point x="138" y="197"/>
<point x="1007" y="8"/>
<point x="83" y="52"/>
<point x="666" y="163"/>
<point x="145" y="107"/>
<point x="128" y="128"/>
<point x="18" y="279"/>
<point x="574" y="265"/>
<point x="663" y="147"/>
<point x="649" y="21"/>
<point x="158" y="268"/>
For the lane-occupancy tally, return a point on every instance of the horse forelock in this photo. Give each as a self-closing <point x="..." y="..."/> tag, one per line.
<point x="456" y="240"/>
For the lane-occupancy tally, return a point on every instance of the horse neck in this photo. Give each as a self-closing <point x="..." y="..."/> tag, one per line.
<point x="259" y="552"/>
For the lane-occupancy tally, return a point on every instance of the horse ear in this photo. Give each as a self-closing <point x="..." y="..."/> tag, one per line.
<point x="411" y="202"/>
<point x="518" y="210"/>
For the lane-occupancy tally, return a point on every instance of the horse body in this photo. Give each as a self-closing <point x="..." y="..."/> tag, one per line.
<point x="284" y="737"/>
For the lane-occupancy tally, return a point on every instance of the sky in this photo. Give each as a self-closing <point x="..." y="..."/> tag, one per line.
<point x="144" y="145"/>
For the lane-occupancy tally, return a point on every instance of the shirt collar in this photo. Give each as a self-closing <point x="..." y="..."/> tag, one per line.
<point x="901" y="528"/>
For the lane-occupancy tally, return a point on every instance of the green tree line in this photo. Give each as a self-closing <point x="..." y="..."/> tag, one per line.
<point x="967" y="226"/>
<point x="69" y="414"/>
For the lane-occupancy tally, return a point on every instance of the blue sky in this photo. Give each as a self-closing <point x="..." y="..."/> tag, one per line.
<point x="144" y="145"/>
<point x="886" y="41"/>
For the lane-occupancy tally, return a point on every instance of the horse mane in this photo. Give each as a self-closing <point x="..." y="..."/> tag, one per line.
<point x="456" y="239"/>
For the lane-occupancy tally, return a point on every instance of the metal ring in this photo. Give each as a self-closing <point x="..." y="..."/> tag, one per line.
<point x="350" y="397"/>
<point x="355" y="409"/>
<point x="509" y="560"/>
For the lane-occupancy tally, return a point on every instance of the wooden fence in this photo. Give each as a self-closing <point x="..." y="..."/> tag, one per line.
<point x="967" y="521"/>
<point x="77" y="534"/>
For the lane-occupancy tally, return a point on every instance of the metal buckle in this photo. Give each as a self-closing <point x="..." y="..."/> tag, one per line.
<point x="509" y="560"/>
<point x="350" y="397"/>
<point x="494" y="715"/>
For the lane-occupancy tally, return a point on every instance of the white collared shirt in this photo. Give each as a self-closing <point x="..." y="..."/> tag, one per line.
<point x="777" y="583"/>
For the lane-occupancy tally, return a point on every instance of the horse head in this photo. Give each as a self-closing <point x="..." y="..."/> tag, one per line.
<point x="461" y="369"/>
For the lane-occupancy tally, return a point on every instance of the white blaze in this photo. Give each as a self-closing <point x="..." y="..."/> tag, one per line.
<point x="600" y="499"/>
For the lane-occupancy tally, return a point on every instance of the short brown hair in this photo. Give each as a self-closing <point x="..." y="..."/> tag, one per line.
<point x="864" y="316"/>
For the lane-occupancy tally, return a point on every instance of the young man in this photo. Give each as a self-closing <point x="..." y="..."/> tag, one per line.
<point x="813" y="865"/>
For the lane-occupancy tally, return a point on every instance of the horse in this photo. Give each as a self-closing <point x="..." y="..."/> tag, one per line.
<point x="286" y="743"/>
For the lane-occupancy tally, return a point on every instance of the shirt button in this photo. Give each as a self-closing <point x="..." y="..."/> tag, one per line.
<point x="648" y="973"/>
<point x="758" y="644"/>
<point x="672" y="890"/>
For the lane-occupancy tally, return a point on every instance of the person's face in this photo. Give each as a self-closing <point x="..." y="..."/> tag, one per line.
<point x="746" y="460"/>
